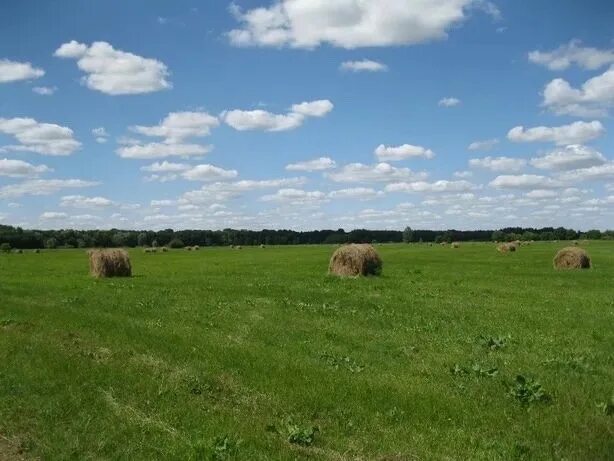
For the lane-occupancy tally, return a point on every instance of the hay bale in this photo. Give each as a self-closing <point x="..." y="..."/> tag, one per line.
<point x="355" y="259"/>
<point x="572" y="258"/>
<point x="37" y="251"/>
<point x="110" y="263"/>
<point x="262" y="245"/>
<point x="455" y="245"/>
<point x="506" y="248"/>
<point x="238" y="247"/>
<point x="164" y="249"/>
<point x="189" y="248"/>
<point x="195" y="248"/>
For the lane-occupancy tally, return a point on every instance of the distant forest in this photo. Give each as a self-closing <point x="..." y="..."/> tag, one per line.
<point x="18" y="238"/>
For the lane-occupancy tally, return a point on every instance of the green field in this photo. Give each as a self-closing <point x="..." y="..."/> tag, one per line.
<point x="257" y="354"/>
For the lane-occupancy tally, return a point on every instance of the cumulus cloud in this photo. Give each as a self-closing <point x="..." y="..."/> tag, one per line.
<point x="45" y="90"/>
<point x="208" y="173"/>
<point x="53" y="215"/>
<point x="223" y="191"/>
<point x="115" y="72"/>
<point x="160" y="150"/>
<point x="594" y="173"/>
<point x="437" y="186"/>
<point x="21" y="169"/>
<point x="574" y="133"/>
<point x="348" y="24"/>
<point x="405" y="151"/>
<point x="569" y="158"/>
<point x="42" y="187"/>
<point x="525" y="181"/>
<point x="296" y="197"/>
<point x="42" y="138"/>
<point x="12" y="71"/>
<point x="498" y="164"/>
<point x="318" y="164"/>
<point x="486" y="144"/>
<point x="360" y="193"/>
<point x="571" y="53"/>
<point x="101" y="135"/>
<point x="80" y="201"/>
<point x="166" y="167"/>
<point x="246" y="120"/>
<point x="380" y="172"/>
<point x="178" y="126"/>
<point x="364" y="65"/>
<point x="449" y="102"/>
<point x="593" y="99"/>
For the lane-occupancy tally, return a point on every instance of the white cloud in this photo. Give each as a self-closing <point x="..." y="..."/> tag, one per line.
<point x="348" y="24"/>
<point x="525" y="181"/>
<point x="42" y="138"/>
<point x="12" y="71"/>
<point x="296" y="197"/>
<point x="499" y="164"/>
<point x="449" y="102"/>
<point x="166" y="167"/>
<point x="52" y="216"/>
<point x="573" y="53"/>
<point x="600" y="172"/>
<point x="569" y="158"/>
<point x="244" y="120"/>
<point x="209" y="173"/>
<point x="463" y="174"/>
<point x="178" y="126"/>
<point x="542" y="194"/>
<point x="115" y="72"/>
<point x="42" y="187"/>
<point x="360" y="193"/>
<point x="80" y="201"/>
<point x="380" y="172"/>
<point x="574" y="133"/>
<point x="224" y="191"/>
<point x="487" y="144"/>
<point x="593" y="99"/>
<point x="318" y="164"/>
<point x="390" y="153"/>
<point x="45" y="90"/>
<point x="365" y="65"/>
<point x="21" y="169"/>
<point x="161" y="150"/>
<point x="437" y="186"/>
<point x="101" y="135"/>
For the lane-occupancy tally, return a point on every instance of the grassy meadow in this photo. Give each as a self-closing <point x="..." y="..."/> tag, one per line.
<point x="257" y="354"/>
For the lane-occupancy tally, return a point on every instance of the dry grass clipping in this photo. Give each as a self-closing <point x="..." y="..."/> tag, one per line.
<point x="355" y="259"/>
<point x="110" y="263"/>
<point x="572" y="258"/>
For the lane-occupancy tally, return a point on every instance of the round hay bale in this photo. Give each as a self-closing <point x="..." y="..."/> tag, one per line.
<point x="575" y="242"/>
<point x="455" y="245"/>
<point x="37" y="251"/>
<point x="572" y="258"/>
<point x="262" y="245"/>
<point x="164" y="249"/>
<point x="195" y="248"/>
<point x="506" y="248"/>
<point x="18" y="251"/>
<point x="189" y="248"/>
<point x="354" y="260"/>
<point x="238" y="247"/>
<point x="110" y="263"/>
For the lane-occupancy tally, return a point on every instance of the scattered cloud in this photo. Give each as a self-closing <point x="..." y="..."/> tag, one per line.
<point x="53" y="216"/>
<point x="348" y="24"/>
<point x="360" y="193"/>
<point x="80" y="201"/>
<point x="101" y="135"/>
<point x="179" y="126"/>
<point x="594" y="173"/>
<point x="463" y="174"/>
<point x="449" y="102"/>
<point x="166" y="167"/>
<point x="318" y="164"/>
<point x="219" y="192"/>
<point x="115" y="72"/>
<point x="246" y="120"/>
<point x="499" y="164"/>
<point x="484" y="145"/>
<point x="45" y="90"/>
<point x="574" y="133"/>
<point x="160" y="150"/>
<point x="593" y="99"/>
<point x="41" y="138"/>
<point x="364" y="65"/>
<point x="571" y="53"/>
<point x="569" y="158"/>
<point x="42" y="187"/>
<point x="21" y="169"/>
<point x="525" y="181"/>
<point x="380" y="172"/>
<point x="296" y="197"/>
<point x="390" y="153"/>
<point x="209" y="173"/>
<point x="12" y="71"/>
<point x="437" y="186"/>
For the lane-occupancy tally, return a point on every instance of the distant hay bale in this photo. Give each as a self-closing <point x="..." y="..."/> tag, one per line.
<point x="189" y="248"/>
<point x="575" y="242"/>
<point x="110" y="263"/>
<point x="195" y="248"/>
<point x="355" y="259"/>
<point x="238" y="247"/>
<point x="506" y="248"/>
<point x="443" y="244"/>
<point x="455" y="245"/>
<point x="150" y="250"/>
<point x="572" y="258"/>
<point x="18" y="251"/>
<point x="37" y="251"/>
<point x="163" y="249"/>
<point x="262" y="245"/>
<point x="232" y="247"/>
<point x="514" y="244"/>
<point x="430" y="244"/>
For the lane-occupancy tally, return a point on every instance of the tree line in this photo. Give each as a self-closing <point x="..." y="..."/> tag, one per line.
<point x="18" y="238"/>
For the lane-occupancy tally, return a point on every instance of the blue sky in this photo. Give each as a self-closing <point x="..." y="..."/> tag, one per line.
<point x="306" y="114"/>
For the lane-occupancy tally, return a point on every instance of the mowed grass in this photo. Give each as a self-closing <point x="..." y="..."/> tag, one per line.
<point x="229" y="354"/>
